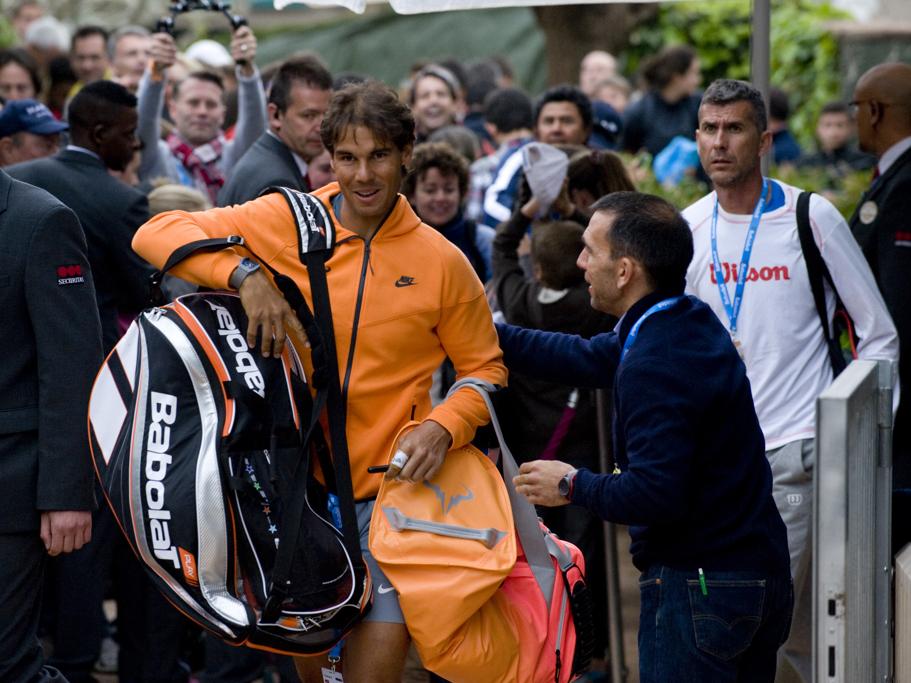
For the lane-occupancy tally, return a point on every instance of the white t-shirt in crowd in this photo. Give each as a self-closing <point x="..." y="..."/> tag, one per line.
<point x="778" y="327"/>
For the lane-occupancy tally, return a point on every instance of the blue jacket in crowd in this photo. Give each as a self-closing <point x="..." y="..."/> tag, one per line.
<point x="694" y="484"/>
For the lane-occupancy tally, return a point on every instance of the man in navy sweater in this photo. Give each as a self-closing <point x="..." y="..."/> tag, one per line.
<point x="693" y="484"/>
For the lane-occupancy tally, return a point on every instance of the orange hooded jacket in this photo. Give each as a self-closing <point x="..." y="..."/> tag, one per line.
<point x="401" y="302"/>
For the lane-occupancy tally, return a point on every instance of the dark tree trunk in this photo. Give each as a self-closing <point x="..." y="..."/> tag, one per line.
<point x="571" y="31"/>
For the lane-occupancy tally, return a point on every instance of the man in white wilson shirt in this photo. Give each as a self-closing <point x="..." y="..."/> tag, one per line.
<point x="748" y="226"/>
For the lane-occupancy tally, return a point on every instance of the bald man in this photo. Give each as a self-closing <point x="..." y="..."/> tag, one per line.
<point x="595" y="67"/>
<point x="882" y="225"/>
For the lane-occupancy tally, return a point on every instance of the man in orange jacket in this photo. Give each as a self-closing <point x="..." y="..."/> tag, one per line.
<point x="403" y="298"/>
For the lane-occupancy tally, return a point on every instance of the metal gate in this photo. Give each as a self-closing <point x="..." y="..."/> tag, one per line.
<point x="852" y="568"/>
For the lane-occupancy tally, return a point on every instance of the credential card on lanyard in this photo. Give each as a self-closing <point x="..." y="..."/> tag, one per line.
<point x="332" y="676"/>
<point x="732" y="308"/>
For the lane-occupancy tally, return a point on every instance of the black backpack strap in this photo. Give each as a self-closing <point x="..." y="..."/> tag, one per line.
<point x="179" y="255"/>
<point x="818" y="273"/>
<point x="316" y="239"/>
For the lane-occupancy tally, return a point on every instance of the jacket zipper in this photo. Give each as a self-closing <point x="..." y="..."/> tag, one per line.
<point x="360" y="299"/>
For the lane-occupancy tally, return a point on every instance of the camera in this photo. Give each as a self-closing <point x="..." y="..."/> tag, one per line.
<point x="178" y="7"/>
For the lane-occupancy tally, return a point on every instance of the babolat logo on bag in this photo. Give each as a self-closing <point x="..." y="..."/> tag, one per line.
<point x="197" y="441"/>
<point x="157" y="459"/>
<point x="243" y="359"/>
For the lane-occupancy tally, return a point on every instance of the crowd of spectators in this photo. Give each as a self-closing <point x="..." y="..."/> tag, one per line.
<point x="121" y="125"/>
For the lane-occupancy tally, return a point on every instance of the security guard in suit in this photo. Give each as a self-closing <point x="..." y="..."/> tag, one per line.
<point x="49" y="318"/>
<point x="882" y="106"/>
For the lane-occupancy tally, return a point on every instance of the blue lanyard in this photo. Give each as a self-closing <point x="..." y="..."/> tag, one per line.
<point x="633" y="333"/>
<point x="733" y="308"/>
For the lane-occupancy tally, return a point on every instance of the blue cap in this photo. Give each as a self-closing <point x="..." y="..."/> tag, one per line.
<point x="30" y="116"/>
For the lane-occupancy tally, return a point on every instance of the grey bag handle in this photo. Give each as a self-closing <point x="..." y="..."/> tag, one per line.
<point x="523" y="512"/>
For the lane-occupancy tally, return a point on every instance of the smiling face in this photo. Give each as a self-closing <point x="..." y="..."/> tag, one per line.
<point x="198" y="111"/>
<point x="729" y="142"/>
<point x="434" y="106"/>
<point x="369" y="173"/>
<point x="436" y="197"/>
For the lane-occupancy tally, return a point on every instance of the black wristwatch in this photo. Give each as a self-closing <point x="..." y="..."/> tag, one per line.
<point x="244" y="269"/>
<point x="565" y="485"/>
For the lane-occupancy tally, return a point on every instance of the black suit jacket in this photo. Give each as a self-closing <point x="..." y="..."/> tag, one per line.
<point x="110" y="212"/>
<point x="267" y="163"/>
<point x="886" y="242"/>
<point x="49" y="318"/>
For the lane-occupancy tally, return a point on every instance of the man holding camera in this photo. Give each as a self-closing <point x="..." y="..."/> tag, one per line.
<point x="196" y="153"/>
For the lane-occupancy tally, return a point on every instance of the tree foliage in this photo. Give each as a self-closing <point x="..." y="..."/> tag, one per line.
<point x="804" y="53"/>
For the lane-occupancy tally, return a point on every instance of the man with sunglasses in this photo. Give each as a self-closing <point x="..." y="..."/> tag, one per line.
<point x="882" y="108"/>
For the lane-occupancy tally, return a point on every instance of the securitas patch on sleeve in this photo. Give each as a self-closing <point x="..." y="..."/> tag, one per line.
<point x="70" y="275"/>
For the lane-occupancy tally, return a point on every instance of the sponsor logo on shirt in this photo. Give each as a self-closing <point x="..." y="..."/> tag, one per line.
<point x="763" y="274"/>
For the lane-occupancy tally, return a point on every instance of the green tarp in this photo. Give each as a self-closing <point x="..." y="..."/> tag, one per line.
<point x="385" y="46"/>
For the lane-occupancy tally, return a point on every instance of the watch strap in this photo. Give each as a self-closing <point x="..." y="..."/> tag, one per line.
<point x="244" y="269"/>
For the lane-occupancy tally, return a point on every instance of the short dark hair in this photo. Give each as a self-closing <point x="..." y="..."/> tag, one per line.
<point x="99" y="102"/>
<point x="779" y="107"/>
<point x="727" y="91"/>
<point x="306" y="69"/>
<point x="837" y="107"/>
<point x="87" y="32"/>
<point x="555" y="246"/>
<point x="567" y="93"/>
<point x="599" y="172"/>
<point x="347" y="78"/>
<point x="370" y="104"/>
<point x="672" y="61"/>
<point x="650" y="230"/>
<point x="23" y="59"/>
<point x="207" y="76"/>
<point x="508" y="109"/>
<point x="438" y="155"/>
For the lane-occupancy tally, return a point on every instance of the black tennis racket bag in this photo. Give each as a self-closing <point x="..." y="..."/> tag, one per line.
<point x="204" y="449"/>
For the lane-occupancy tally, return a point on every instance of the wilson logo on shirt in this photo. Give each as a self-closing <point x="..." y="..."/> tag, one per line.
<point x="764" y="274"/>
<point x="70" y="275"/>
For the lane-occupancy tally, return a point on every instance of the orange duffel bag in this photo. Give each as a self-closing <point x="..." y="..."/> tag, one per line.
<point x="488" y="592"/>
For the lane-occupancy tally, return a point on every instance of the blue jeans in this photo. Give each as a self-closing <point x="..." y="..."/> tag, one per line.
<point x="732" y="633"/>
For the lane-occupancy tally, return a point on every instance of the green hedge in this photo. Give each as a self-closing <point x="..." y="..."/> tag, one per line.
<point x="843" y="192"/>
<point x="804" y="54"/>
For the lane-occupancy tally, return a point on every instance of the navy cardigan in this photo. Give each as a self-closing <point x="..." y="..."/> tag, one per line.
<point x="694" y="484"/>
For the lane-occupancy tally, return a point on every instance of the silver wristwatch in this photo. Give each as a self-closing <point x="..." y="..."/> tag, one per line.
<point x="244" y="269"/>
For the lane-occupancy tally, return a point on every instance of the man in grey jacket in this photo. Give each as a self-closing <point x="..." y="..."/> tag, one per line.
<point x="298" y="99"/>
<point x="196" y="153"/>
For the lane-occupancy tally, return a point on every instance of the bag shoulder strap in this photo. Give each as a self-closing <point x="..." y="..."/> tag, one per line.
<point x="315" y="229"/>
<point x="817" y="271"/>
<point x="523" y="512"/>
<point x="181" y="254"/>
<point x="316" y="241"/>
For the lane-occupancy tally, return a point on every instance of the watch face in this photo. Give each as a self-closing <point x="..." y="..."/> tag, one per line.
<point x="563" y="486"/>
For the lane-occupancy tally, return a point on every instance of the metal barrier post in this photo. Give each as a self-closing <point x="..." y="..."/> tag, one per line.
<point x="612" y="571"/>
<point x="852" y="563"/>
